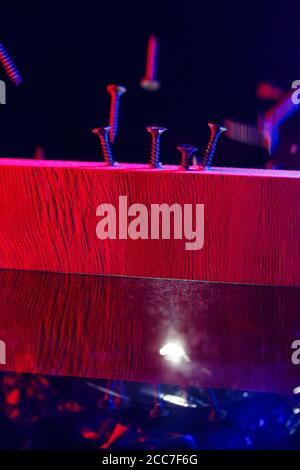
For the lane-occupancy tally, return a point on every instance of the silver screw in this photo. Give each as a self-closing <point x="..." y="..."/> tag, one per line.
<point x="115" y="92"/>
<point x="216" y="131"/>
<point x="155" y="146"/>
<point x="186" y="153"/>
<point x="102" y="133"/>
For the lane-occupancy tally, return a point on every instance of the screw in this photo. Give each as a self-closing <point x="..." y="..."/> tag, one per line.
<point x="216" y="131"/>
<point x="186" y="153"/>
<point x="149" y="82"/>
<point x="158" y="411"/>
<point x="102" y="133"/>
<point x="155" y="148"/>
<point x="115" y="92"/>
<point x="9" y="66"/>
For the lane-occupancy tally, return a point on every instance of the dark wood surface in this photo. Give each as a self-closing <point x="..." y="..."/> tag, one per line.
<point x="237" y="337"/>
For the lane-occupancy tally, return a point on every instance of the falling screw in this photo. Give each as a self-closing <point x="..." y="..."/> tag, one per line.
<point x="9" y="67"/>
<point x="186" y="154"/>
<point x="115" y="92"/>
<point x="102" y="133"/>
<point x="216" y="131"/>
<point x="155" y="147"/>
<point x="149" y="82"/>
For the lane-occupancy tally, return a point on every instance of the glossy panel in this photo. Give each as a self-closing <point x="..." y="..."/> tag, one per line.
<point x="108" y="327"/>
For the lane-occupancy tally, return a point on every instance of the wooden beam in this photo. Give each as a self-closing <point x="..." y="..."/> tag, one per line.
<point x="251" y="221"/>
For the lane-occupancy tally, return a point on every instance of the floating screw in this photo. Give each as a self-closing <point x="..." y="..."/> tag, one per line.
<point x="149" y="82"/>
<point x="155" y="148"/>
<point x="9" y="66"/>
<point x="186" y="154"/>
<point x="216" y="131"/>
<point x="115" y="92"/>
<point x="102" y="133"/>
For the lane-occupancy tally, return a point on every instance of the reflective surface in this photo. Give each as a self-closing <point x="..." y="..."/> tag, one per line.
<point x="155" y="331"/>
<point x="39" y="412"/>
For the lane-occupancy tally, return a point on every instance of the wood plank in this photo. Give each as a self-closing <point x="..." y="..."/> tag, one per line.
<point x="251" y="221"/>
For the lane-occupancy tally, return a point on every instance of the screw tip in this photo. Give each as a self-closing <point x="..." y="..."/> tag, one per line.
<point x="150" y="85"/>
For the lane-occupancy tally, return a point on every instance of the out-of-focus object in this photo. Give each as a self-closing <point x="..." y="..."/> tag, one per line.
<point x="269" y="91"/>
<point x="39" y="153"/>
<point x="9" y="67"/>
<point x="150" y="82"/>
<point x="102" y="133"/>
<point x="2" y="92"/>
<point x="115" y="91"/>
<point x="216" y="131"/>
<point x="273" y="132"/>
<point x="155" y="146"/>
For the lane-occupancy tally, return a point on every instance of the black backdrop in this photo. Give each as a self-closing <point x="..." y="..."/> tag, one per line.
<point x="212" y="54"/>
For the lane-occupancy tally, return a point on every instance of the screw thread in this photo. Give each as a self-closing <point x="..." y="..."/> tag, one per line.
<point x="114" y="117"/>
<point x="155" y="151"/>
<point x="216" y="131"/>
<point x="102" y="133"/>
<point x="106" y="150"/>
<point x="155" y="145"/>
<point x="9" y="66"/>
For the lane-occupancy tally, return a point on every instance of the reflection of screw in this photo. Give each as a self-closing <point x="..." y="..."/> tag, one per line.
<point x="115" y="92"/>
<point x="102" y="133"/>
<point x="186" y="153"/>
<point x="149" y="82"/>
<point x="155" y="147"/>
<point x="158" y="411"/>
<point x="216" y="131"/>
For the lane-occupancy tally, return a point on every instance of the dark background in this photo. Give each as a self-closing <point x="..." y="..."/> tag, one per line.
<point x="212" y="55"/>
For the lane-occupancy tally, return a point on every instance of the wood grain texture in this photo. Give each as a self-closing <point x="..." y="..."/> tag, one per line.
<point x="252" y="223"/>
<point x="236" y="337"/>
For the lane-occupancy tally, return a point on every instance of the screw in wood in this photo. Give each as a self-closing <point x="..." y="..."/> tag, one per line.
<point x="155" y="146"/>
<point x="216" y="131"/>
<point x="186" y="154"/>
<point x="102" y="133"/>
<point x="115" y="91"/>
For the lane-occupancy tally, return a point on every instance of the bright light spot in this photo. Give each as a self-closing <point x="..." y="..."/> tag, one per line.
<point x="179" y="401"/>
<point x="296" y="411"/>
<point x="296" y="390"/>
<point x="173" y="352"/>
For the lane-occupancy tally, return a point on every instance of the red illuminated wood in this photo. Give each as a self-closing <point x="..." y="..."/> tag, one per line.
<point x="252" y="224"/>
<point x="236" y="337"/>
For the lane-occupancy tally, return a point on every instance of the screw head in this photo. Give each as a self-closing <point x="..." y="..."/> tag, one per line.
<point x="217" y="127"/>
<point x="101" y="131"/>
<point x="114" y="89"/>
<point x="186" y="152"/>
<point x="187" y="148"/>
<point x="156" y="130"/>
